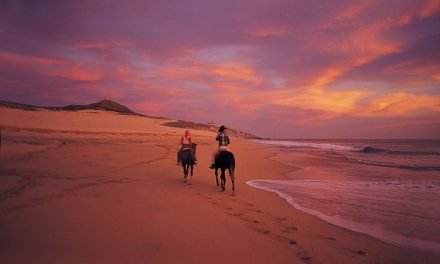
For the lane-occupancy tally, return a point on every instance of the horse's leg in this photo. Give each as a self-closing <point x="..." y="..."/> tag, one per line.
<point x="223" y="179"/>
<point x="185" y="172"/>
<point x="191" y="167"/>
<point x="216" y="175"/>
<point x="231" y="174"/>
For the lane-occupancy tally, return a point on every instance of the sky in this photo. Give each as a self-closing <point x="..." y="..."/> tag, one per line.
<point x="276" y="68"/>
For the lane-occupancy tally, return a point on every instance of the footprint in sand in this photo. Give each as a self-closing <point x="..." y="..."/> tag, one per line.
<point x="292" y="242"/>
<point x="289" y="229"/>
<point x="306" y="259"/>
<point x="361" y="253"/>
<point x="303" y="256"/>
<point x="328" y="238"/>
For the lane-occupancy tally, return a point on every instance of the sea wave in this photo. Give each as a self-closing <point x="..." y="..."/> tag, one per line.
<point x="300" y="144"/>
<point x="390" y="164"/>
<point x="342" y="148"/>
<point x="407" y="156"/>
<point x="369" y="149"/>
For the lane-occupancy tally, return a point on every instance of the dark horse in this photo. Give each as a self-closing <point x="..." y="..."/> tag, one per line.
<point x="188" y="160"/>
<point x="225" y="160"/>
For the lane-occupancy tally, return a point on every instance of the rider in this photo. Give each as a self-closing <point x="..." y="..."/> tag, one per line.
<point x="223" y="142"/>
<point x="186" y="143"/>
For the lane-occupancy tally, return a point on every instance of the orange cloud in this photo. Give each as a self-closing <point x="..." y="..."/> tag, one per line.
<point x="353" y="10"/>
<point x="52" y="67"/>
<point x="228" y="72"/>
<point x="99" y="45"/>
<point x="399" y="104"/>
<point x="430" y="8"/>
<point x="228" y="86"/>
<point x="234" y="71"/>
<point x="77" y="73"/>
<point x="269" y="32"/>
<point x="330" y="104"/>
<point x="329" y="101"/>
<point x="358" y="48"/>
<point x="47" y="61"/>
<point x="404" y="20"/>
<point x="23" y="60"/>
<point x="328" y="77"/>
<point x="369" y="42"/>
<point x="416" y="67"/>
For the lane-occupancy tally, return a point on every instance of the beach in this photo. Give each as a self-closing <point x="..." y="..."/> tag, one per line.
<point x="100" y="187"/>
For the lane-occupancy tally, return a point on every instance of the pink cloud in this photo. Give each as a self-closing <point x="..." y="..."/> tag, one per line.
<point x="430" y="8"/>
<point x="53" y="67"/>
<point x="400" y="104"/>
<point x="352" y="10"/>
<point x="270" y="32"/>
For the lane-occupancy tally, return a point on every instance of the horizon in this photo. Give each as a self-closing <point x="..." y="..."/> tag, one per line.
<point x="258" y="137"/>
<point x="278" y="69"/>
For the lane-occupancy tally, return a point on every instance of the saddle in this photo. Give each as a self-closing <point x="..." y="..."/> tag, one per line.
<point x="187" y="149"/>
<point x="193" y="148"/>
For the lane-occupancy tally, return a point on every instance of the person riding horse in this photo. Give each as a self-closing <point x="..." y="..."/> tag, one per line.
<point x="186" y="144"/>
<point x="223" y="142"/>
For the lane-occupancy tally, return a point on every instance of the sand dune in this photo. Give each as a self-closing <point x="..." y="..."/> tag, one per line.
<point x="99" y="187"/>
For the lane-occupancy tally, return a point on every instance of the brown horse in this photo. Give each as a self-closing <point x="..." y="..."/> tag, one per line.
<point x="225" y="161"/>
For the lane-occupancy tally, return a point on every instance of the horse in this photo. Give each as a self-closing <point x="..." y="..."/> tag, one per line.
<point x="188" y="158"/>
<point x="225" y="160"/>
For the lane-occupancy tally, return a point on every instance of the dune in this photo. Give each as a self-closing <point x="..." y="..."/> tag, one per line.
<point x="93" y="186"/>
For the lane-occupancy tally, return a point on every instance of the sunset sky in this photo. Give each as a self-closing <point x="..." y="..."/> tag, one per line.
<point x="281" y="69"/>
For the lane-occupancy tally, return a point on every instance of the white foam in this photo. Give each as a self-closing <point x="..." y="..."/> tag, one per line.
<point x="376" y="230"/>
<point x="293" y="144"/>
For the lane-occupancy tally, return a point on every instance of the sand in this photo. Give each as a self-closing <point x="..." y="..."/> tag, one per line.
<point x="99" y="187"/>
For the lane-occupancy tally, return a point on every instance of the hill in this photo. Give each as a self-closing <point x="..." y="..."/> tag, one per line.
<point x="25" y="107"/>
<point x="108" y="105"/>
<point x="105" y="105"/>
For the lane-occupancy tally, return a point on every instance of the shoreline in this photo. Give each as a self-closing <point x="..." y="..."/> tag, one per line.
<point x="395" y="240"/>
<point x="422" y="247"/>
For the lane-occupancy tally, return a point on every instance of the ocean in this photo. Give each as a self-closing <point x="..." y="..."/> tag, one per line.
<point x="387" y="189"/>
